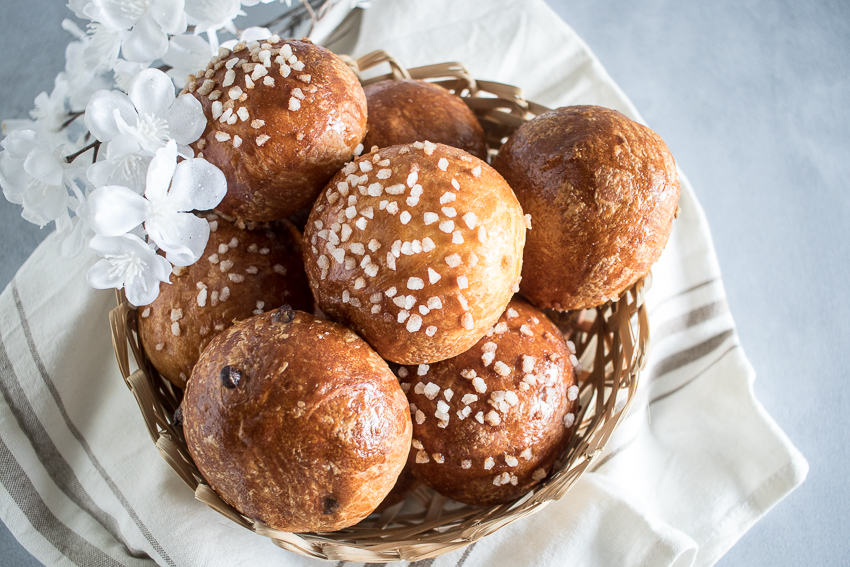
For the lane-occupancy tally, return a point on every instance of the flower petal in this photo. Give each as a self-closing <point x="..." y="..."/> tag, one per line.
<point x="43" y="165"/>
<point x="144" y="289"/>
<point x="101" y="51"/>
<point x="145" y="42"/>
<point x="13" y="178"/>
<point x="75" y="240"/>
<point x="187" y="51"/>
<point x="121" y="146"/>
<point x="186" y="54"/>
<point x="118" y="245"/>
<point x="183" y="239"/>
<point x="169" y="15"/>
<point x="21" y="142"/>
<point x="102" y="276"/>
<point x="115" y="210"/>
<point x="115" y="14"/>
<point x="254" y="33"/>
<point x="100" y="119"/>
<point x="44" y="203"/>
<point x="161" y="268"/>
<point x="160" y="172"/>
<point x="152" y="92"/>
<point x="197" y="185"/>
<point x="186" y="120"/>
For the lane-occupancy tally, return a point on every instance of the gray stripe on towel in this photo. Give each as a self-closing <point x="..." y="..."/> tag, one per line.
<point x="64" y="539"/>
<point x="689" y="319"/>
<point x="688" y="355"/>
<point x="465" y="555"/>
<point x="51" y="459"/>
<point x="660" y="397"/>
<point x="51" y="387"/>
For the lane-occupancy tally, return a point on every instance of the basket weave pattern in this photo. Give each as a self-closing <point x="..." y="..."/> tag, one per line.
<point x="611" y="343"/>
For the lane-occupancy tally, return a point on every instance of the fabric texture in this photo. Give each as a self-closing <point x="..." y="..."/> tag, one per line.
<point x="694" y="465"/>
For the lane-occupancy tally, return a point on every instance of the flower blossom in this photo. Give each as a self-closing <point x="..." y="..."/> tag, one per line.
<point x="186" y="54"/>
<point x="209" y="16"/>
<point x="32" y="174"/>
<point x="75" y="232"/>
<point x="130" y="263"/>
<point x="82" y="81"/>
<point x="149" y="114"/>
<point x="195" y="184"/>
<point x="140" y="28"/>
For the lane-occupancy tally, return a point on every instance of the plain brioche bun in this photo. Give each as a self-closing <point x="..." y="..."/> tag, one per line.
<point x="418" y="248"/>
<point x="283" y="117"/>
<point x="488" y="424"/>
<point x="407" y="111"/>
<point x="296" y="422"/>
<point x="602" y="191"/>
<point x="243" y="271"/>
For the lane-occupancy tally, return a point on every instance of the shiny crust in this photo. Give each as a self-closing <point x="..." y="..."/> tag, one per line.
<point x="533" y="430"/>
<point x="602" y="192"/>
<point x="371" y="300"/>
<point x="300" y="148"/>
<point x="315" y="433"/>
<point x="404" y="485"/>
<point x="407" y="111"/>
<point x="279" y="279"/>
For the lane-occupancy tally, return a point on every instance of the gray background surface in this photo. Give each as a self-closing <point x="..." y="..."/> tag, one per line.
<point x="753" y="98"/>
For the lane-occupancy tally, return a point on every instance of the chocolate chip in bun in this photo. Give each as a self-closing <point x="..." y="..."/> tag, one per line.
<point x="418" y="248"/>
<point x="407" y="111"/>
<point x="296" y="422"/>
<point x="243" y="271"/>
<point x="489" y="424"/>
<point x="602" y="191"/>
<point x="282" y="117"/>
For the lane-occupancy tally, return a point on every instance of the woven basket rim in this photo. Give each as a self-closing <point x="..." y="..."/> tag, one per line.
<point x="612" y="348"/>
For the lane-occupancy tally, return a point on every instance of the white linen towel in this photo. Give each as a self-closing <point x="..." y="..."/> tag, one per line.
<point x="694" y="465"/>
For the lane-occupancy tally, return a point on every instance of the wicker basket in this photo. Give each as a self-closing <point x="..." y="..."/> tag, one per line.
<point x="611" y="342"/>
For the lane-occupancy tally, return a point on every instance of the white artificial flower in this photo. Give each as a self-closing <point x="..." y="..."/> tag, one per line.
<point x="122" y="163"/>
<point x="143" y="25"/>
<point x="102" y="49"/>
<point x="50" y="109"/>
<point x="82" y="82"/>
<point x="75" y="232"/>
<point x="195" y="184"/>
<point x="79" y="7"/>
<point x="209" y="16"/>
<point x="255" y="2"/>
<point x="32" y="174"/>
<point x="249" y="34"/>
<point x="149" y="114"/>
<point x="129" y="263"/>
<point x="125" y="72"/>
<point x="186" y="54"/>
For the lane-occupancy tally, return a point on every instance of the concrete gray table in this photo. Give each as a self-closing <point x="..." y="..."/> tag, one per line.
<point x="752" y="98"/>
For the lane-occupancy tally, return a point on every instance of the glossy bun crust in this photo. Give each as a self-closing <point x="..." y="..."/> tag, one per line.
<point x="241" y="272"/>
<point x="278" y="139"/>
<point x="489" y="424"/>
<point x="315" y="431"/>
<point x="417" y="248"/>
<point x="602" y="191"/>
<point x="407" y="111"/>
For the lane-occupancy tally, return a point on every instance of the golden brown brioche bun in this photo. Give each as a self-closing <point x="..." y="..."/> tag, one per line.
<point x="602" y="191"/>
<point x="278" y="127"/>
<point x="489" y="423"/>
<point x="417" y="248"/>
<point x="407" y="111"/>
<point x="241" y="272"/>
<point x="296" y="422"/>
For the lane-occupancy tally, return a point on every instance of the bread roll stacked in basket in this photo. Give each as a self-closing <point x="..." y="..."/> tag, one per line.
<point x="449" y="343"/>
